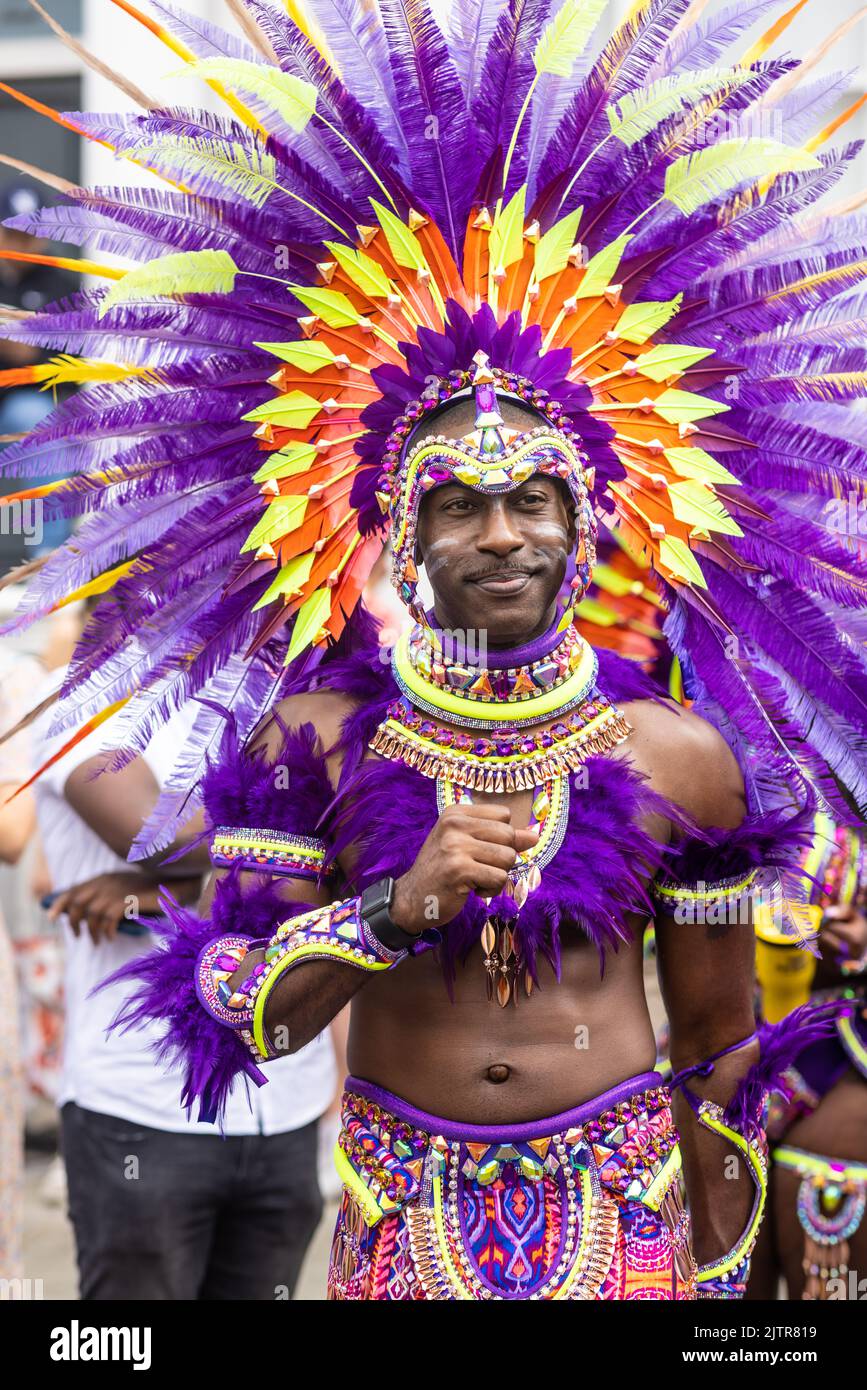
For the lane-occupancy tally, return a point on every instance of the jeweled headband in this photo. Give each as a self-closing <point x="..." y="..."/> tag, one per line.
<point x="491" y="458"/>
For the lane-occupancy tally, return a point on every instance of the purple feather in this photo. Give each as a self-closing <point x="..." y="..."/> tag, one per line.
<point x="780" y="1044"/>
<point x="212" y="1054"/>
<point x="441" y="146"/>
<point x="506" y="77"/>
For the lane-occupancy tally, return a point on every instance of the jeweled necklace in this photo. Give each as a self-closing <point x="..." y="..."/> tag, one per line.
<point x="548" y="676"/>
<point x="550" y="812"/>
<point x="550" y="681"/>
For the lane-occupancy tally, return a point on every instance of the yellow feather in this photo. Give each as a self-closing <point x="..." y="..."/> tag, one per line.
<point x="100" y="585"/>
<point x="291" y="577"/>
<point x="309" y="356"/>
<point x="676" y="556"/>
<point x="178" y="273"/>
<point x="67" y="370"/>
<point x="506" y="242"/>
<point x="566" y="36"/>
<point x="313" y="32"/>
<point x="600" y="268"/>
<point x="640" y="321"/>
<point x="364" y="272"/>
<point x="294" y="411"/>
<point x="293" y="99"/>
<point x="669" y="359"/>
<point x="682" y="407"/>
<point x="309" y="621"/>
<point x="552" y="250"/>
<point x="702" y="175"/>
<point x="286" y="463"/>
<point x="284" y="514"/>
<point x="696" y="505"/>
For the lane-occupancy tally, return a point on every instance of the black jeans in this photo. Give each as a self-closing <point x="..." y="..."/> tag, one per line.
<point x="185" y="1216"/>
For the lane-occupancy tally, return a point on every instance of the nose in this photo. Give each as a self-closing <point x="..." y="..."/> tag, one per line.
<point x="498" y="533"/>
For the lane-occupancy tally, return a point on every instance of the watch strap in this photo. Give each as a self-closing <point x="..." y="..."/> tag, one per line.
<point x="375" y="904"/>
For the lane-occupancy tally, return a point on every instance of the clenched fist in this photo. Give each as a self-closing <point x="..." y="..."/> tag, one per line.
<point x="470" y="849"/>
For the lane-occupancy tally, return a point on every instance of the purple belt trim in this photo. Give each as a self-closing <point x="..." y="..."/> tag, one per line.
<point x="528" y="1129"/>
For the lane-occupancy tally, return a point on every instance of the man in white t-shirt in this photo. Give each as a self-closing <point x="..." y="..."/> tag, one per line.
<point x="163" y="1207"/>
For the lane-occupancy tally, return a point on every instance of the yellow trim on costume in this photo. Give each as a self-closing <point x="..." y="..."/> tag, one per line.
<point x="733" y="1259"/>
<point x="512" y="760"/>
<point x="454" y="1278"/>
<point x="309" y="948"/>
<point x="581" y="1253"/>
<point x="245" y="842"/>
<point x="663" y="1180"/>
<point x="674" y="890"/>
<point x="549" y="825"/>
<point x="821" y="1167"/>
<point x="548" y="702"/>
<point x="852" y="1042"/>
<point x="362" y="1194"/>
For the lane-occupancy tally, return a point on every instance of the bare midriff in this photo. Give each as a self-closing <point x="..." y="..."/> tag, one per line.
<point x="471" y="1060"/>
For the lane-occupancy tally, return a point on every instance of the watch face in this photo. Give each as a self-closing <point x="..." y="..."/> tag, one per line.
<point x="381" y="895"/>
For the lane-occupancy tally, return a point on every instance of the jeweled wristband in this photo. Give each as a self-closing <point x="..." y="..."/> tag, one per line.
<point x="271" y="851"/>
<point x="336" y="932"/>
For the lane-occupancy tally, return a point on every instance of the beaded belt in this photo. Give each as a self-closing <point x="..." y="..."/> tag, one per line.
<point x="540" y="1201"/>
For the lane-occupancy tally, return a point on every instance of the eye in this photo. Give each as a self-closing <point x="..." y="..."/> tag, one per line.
<point x="533" y="497"/>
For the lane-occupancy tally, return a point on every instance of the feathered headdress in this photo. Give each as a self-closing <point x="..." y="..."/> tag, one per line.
<point x="381" y="202"/>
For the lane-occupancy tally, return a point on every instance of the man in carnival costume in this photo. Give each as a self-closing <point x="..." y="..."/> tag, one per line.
<point x="448" y="292"/>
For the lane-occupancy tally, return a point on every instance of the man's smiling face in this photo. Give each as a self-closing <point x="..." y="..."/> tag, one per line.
<point x="496" y="561"/>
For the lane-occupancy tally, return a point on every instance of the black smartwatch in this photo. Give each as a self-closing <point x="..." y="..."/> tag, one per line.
<point x="374" y="906"/>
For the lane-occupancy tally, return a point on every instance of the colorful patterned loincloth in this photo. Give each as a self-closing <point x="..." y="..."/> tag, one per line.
<point x="585" y="1205"/>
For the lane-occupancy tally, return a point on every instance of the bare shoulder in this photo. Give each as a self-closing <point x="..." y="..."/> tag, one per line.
<point x="324" y="709"/>
<point x="687" y="760"/>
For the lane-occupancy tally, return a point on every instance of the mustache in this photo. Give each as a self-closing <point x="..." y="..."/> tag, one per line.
<point x="499" y="572"/>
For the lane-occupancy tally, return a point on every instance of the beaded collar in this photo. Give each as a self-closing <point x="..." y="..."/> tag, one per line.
<point x="520" y="687"/>
<point x="488" y="741"/>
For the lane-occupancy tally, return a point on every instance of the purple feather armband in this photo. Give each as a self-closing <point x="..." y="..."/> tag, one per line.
<point x="165" y="988"/>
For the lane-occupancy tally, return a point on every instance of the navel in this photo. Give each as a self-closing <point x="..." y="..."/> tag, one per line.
<point x="498" y="1073"/>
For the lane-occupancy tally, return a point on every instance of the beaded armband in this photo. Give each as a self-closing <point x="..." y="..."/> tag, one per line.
<point x="690" y="900"/>
<point x="336" y="931"/>
<point x="273" y="851"/>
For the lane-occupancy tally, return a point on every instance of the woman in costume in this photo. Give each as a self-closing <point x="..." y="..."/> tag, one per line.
<point x="639" y="310"/>
<point x="815" y="1236"/>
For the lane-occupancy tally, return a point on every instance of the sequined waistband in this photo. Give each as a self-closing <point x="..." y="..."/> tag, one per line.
<point x="646" y="1083"/>
<point x="625" y="1137"/>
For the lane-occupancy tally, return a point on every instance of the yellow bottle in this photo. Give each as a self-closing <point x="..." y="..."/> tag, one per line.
<point x="784" y="970"/>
